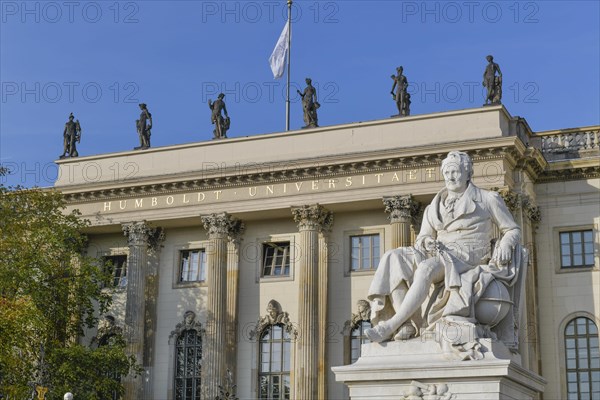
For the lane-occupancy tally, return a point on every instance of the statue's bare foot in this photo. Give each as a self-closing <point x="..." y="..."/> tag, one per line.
<point x="406" y="331"/>
<point x="379" y="333"/>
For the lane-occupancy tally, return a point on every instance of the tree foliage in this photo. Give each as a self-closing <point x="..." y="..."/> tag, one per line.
<point x="49" y="293"/>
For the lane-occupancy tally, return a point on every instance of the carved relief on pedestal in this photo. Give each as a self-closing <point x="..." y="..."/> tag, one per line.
<point x="424" y="391"/>
<point x="313" y="217"/>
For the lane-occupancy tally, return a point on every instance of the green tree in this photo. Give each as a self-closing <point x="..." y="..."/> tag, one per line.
<point x="49" y="293"/>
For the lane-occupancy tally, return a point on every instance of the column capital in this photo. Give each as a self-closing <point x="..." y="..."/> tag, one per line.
<point x="511" y="198"/>
<point x="236" y="230"/>
<point x="401" y="208"/>
<point x="532" y="210"/>
<point x="138" y="232"/>
<point x="313" y="217"/>
<point x="222" y="224"/>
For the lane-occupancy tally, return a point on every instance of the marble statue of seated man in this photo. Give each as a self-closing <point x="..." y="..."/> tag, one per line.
<point x="454" y="247"/>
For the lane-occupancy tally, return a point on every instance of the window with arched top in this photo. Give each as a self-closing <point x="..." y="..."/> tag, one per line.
<point x="274" y="363"/>
<point x="354" y="332"/>
<point x="188" y="362"/>
<point x="582" y="359"/>
<point x="358" y="338"/>
<point x="186" y="340"/>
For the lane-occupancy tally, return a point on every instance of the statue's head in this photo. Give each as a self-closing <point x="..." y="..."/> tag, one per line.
<point x="363" y="306"/>
<point x="490" y="58"/>
<point x="189" y="317"/>
<point x="273" y="309"/>
<point x="308" y="81"/>
<point x="108" y="321"/>
<point x="221" y="96"/>
<point x="142" y="106"/>
<point x="71" y="117"/>
<point x="457" y="170"/>
<point x="400" y="69"/>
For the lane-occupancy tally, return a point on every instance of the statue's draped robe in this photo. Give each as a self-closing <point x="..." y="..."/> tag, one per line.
<point x="464" y="228"/>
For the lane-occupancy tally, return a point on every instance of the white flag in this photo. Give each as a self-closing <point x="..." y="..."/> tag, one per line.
<point x="280" y="52"/>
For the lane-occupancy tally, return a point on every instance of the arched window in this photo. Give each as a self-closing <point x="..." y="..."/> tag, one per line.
<point x="358" y="338"/>
<point x="354" y="332"/>
<point x="582" y="356"/>
<point x="274" y="333"/>
<point x="188" y="358"/>
<point x="188" y="363"/>
<point x="274" y="360"/>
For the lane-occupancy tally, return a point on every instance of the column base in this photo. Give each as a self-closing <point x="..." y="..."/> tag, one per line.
<point x="397" y="370"/>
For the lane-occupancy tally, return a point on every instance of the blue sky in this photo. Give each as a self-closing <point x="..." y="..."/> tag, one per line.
<point x="99" y="59"/>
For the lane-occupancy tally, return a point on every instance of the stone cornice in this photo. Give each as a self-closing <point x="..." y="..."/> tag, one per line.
<point x="326" y="168"/>
<point x="571" y="170"/>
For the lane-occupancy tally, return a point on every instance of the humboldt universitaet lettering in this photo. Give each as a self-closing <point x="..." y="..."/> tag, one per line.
<point x="271" y="190"/>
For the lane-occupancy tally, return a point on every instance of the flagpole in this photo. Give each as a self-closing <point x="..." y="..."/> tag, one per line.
<point x="289" y="45"/>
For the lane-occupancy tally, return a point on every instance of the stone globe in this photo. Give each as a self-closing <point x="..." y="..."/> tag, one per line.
<point x="493" y="305"/>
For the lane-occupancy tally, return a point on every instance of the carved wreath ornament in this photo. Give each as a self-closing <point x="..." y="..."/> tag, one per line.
<point x="274" y="316"/>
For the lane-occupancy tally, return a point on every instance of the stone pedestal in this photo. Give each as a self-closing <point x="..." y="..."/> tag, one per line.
<point x="392" y="370"/>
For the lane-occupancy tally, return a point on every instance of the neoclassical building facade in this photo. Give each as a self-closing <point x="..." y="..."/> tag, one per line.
<point x="254" y="254"/>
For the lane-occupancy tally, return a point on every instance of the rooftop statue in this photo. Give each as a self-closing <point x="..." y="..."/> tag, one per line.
<point x="310" y="105"/>
<point x="144" y="126"/>
<point x="401" y="96"/>
<point x="453" y="254"/>
<point x="71" y="136"/>
<point x="221" y="124"/>
<point x="492" y="81"/>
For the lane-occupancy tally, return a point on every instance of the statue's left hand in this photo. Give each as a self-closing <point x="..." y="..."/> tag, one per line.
<point x="504" y="254"/>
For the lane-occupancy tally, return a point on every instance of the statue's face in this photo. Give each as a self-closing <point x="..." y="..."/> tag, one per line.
<point x="456" y="179"/>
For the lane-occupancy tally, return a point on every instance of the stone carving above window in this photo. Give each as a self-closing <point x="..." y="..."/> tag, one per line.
<point x="363" y="314"/>
<point x="274" y="316"/>
<point x="108" y="332"/>
<point x="189" y="322"/>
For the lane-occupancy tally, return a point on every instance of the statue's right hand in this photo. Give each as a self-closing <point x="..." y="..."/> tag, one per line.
<point x="429" y="244"/>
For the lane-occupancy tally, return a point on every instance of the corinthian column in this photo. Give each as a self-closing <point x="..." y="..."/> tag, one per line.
<point x="402" y="210"/>
<point x="138" y="238"/>
<point x="233" y="267"/>
<point x="311" y="220"/>
<point x="214" y="359"/>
